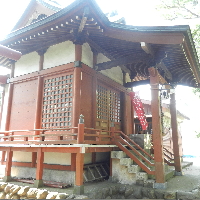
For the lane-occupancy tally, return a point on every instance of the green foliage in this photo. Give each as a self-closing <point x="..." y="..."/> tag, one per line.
<point x="183" y="9"/>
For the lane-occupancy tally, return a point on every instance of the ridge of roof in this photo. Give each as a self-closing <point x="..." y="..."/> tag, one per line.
<point x="30" y="5"/>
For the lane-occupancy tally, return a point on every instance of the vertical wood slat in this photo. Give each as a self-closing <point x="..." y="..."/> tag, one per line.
<point x="156" y="126"/>
<point x="175" y="136"/>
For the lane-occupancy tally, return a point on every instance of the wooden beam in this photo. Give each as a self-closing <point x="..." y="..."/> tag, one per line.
<point x="9" y="53"/>
<point x="156" y="126"/>
<point x="121" y="61"/>
<point x="84" y="19"/>
<point x="105" y="53"/>
<point x="147" y="48"/>
<point x="138" y="36"/>
<point x="175" y="135"/>
<point x="136" y="83"/>
<point x="3" y="79"/>
<point x="162" y="67"/>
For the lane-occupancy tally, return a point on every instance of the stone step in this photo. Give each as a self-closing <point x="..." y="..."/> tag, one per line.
<point x="126" y="161"/>
<point x="142" y="176"/>
<point x="118" y="154"/>
<point x="134" y="169"/>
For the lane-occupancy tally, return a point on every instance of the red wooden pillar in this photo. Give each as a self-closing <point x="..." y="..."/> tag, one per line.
<point x="37" y="124"/>
<point x="34" y="158"/>
<point x="38" y="105"/>
<point x="157" y="129"/>
<point x="79" y="188"/>
<point x="39" y="170"/>
<point x="175" y="136"/>
<point x="73" y="161"/>
<point x="77" y="85"/>
<point x="7" y="176"/>
<point x="2" y="102"/>
<point x="9" y="107"/>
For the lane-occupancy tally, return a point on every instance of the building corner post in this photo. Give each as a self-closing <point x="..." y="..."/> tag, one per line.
<point x="157" y="129"/>
<point x="175" y="136"/>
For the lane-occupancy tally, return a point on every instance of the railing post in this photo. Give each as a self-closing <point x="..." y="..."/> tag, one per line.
<point x="80" y="138"/>
<point x="112" y="132"/>
<point x="39" y="168"/>
<point x="7" y="176"/>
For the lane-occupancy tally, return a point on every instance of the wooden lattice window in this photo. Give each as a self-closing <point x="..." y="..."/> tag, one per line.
<point x="114" y="106"/>
<point x="102" y="103"/>
<point x="108" y="104"/>
<point x="57" y="101"/>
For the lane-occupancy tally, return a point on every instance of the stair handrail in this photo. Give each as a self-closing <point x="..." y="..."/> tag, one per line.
<point x="134" y="158"/>
<point x="138" y="146"/>
<point x="137" y="152"/>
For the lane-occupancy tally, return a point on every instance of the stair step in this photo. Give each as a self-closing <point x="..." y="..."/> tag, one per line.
<point x="118" y="154"/>
<point x="126" y="161"/>
<point x="142" y="176"/>
<point x="133" y="169"/>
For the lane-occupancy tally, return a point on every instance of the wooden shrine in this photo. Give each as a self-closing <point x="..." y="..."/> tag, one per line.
<point x="67" y="103"/>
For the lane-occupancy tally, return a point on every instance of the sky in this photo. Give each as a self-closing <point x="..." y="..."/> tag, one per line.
<point x="136" y="14"/>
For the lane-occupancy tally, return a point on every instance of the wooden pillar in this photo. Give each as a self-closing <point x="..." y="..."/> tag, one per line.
<point x="39" y="169"/>
<point x="79" y="188"/>
<point x="175" y="136"/>
<point x="132" y="115"/>
<point x="10" y="97"/>
<point x="157" y="129"/>
<point x="123" y="112"/>
<point x="38" y="105"/>
<point x="95" y="55"/>
<point x="38" y="113"/>
<point x="7" y="176"/>
<point x="73" y="161"/>
<point x="77" y="85"/>
<point x="2" y="102"/>
<point x="34" y="158"/>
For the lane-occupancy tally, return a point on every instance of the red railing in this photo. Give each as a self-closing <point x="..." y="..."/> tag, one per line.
<point x="81" y="135"/>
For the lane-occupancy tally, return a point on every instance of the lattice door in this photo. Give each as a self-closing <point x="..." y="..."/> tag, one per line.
<point x="108" y="108"/>
<point x="57" y="101"/>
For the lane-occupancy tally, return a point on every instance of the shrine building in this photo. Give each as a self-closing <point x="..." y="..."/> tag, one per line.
<point x="68" y="107"/>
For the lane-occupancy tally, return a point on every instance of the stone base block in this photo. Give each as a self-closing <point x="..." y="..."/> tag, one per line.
<point x="178" y="173"/>
<point x="7" y="178"/>
<point x="160" y="185"/>
<point x="79" y="189"/>
<point x="38" y="183"/>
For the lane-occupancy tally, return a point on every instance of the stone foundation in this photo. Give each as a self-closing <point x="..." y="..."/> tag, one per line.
<point x="48" y="174"/>
<point x="11" y="191"/>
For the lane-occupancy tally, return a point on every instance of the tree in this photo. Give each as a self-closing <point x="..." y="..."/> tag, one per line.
<point x="184" y="9"/>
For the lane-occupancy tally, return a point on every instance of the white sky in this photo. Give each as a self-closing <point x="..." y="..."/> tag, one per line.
<point x="136" y="12"/>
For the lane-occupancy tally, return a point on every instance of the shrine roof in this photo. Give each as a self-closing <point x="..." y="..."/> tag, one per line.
<point x="134" y="48"/>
